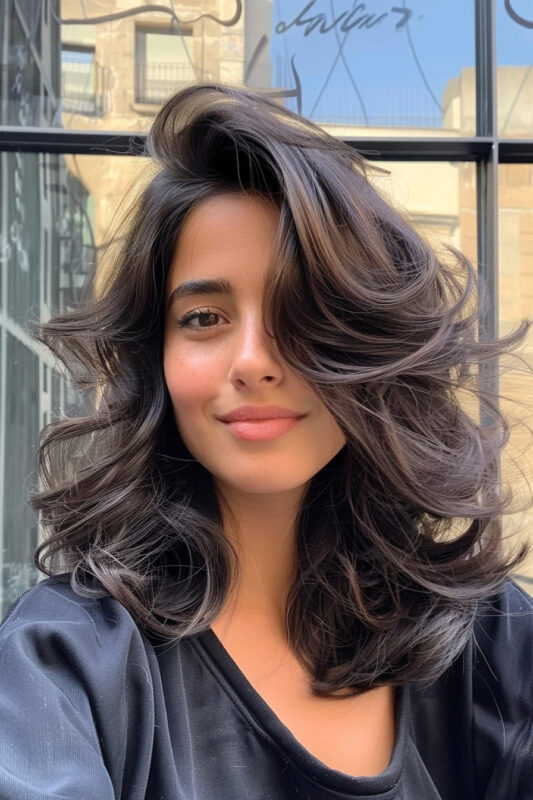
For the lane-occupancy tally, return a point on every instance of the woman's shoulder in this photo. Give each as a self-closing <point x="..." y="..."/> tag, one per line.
<point x="500" y="668"/>
<point x="484" y="705"/>
<point x="55" y="643"/>
<point x="77" y="682"/>
<point x="511" y="602"/>
<point x="496" y="666"/>
<point x="57" y="624"/>
<point x="53" y="600"/>
<point x="502" y="645"/>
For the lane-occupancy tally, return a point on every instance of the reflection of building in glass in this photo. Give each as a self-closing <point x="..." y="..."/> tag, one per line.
<point x="515" y="118"/>
<point x="83" y="81"/>
<point x="118" y="71"/>
<point x="163" y="61"/>
<point x="120" y="66"/>
<point x="46" y="252"/>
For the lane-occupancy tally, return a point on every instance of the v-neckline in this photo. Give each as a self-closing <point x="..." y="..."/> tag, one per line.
<point x="256" y="708"/>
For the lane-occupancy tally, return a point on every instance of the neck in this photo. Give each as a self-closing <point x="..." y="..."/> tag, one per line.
<point x="262" y="529"/>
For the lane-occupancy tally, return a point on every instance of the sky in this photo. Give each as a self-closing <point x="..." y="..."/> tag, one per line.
<point x="395" y="62"/>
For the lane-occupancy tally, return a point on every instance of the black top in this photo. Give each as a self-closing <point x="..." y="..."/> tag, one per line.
<point x="91" y="710"/>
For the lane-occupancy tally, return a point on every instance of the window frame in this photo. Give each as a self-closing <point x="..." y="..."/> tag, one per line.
<point x="141" y="31"/>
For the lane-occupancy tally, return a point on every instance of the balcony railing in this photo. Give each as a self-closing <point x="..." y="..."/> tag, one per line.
<point x="155" y="80"/>
<point x="84" y="87"/>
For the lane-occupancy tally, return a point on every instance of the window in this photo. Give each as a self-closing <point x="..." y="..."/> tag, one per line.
<point x="78" y="80"/>
<point x="163" y="63"/>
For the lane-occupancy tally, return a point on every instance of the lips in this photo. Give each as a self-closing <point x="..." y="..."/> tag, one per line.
<point x="256" y="430"/>
<point x="245" y="413"/>
<point x="258" y="423"/>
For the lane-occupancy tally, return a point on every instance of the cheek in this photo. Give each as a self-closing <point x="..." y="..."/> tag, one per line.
<point x="190" y="383"/>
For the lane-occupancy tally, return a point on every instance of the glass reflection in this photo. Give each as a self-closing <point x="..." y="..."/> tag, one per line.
<point x="515" y="68"/>
<point x="47" y="252"/>
<point x="516" y="302"/>
<point x="444" y="217"/>
<point x="377" y="68"/>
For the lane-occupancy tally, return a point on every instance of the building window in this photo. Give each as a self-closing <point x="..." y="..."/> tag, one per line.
<point x="79" y="80"/>
<point x="163" y="63"/>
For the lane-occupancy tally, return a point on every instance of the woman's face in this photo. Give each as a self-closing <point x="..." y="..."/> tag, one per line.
<point x="218" y="357"/>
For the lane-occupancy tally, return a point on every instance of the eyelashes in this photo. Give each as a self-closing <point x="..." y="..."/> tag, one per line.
<point x="199" y="313"/>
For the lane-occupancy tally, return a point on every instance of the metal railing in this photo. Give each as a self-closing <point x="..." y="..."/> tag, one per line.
<point x="156" y="80"/>
<point x="84" y="87"/>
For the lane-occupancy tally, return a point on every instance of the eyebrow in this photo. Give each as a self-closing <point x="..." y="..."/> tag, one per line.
<point x="200" y="286"/>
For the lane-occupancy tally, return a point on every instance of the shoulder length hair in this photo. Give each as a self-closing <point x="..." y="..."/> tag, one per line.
<point x="398" y="537"/>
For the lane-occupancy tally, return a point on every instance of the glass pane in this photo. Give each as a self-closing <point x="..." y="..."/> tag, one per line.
<point x="446" y="216"/>
<point x="515" y="68"/>
<point x="378" y="68"/>
<point x="22" y="88"/>
<point x="516" y="302"/>
<point x="354" y="67"/>
<point x="54" y="214"/>
<point x="21" y="427"/>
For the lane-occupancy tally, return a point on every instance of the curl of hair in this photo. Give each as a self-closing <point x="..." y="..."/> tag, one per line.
<point x="399" y="536"/>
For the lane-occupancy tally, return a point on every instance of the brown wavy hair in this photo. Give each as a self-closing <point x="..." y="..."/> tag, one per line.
<point x="399" y="535"/>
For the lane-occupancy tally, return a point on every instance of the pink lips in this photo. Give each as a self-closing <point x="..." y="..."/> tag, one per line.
<point x="256" y="423"/>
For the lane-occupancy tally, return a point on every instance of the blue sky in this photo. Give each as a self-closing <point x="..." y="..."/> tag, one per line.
<point x="390" y="67"/>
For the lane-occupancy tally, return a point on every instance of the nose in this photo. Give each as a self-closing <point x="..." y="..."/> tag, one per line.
<point x="255" y="357"/>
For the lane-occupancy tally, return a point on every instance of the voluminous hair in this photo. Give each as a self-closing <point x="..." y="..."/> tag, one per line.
<point x="399" y="536"/>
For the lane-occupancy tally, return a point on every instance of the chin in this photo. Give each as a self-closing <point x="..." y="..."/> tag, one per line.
<point x="262" y="484"/>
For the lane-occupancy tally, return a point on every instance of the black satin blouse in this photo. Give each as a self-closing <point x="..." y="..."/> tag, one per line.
<point x="91" y="710"/>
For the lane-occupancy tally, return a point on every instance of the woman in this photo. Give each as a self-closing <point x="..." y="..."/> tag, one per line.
<point x="273" y="540"/>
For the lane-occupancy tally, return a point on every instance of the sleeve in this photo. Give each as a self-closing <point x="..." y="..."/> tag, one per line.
<point x="76" y="712"/>
<point x="503" y="695"/>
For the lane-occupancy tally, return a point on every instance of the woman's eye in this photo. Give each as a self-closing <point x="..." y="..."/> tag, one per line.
<point x="204" y="316"/>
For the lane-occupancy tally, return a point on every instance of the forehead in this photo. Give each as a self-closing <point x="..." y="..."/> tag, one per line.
<point x="224" y="235"/>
